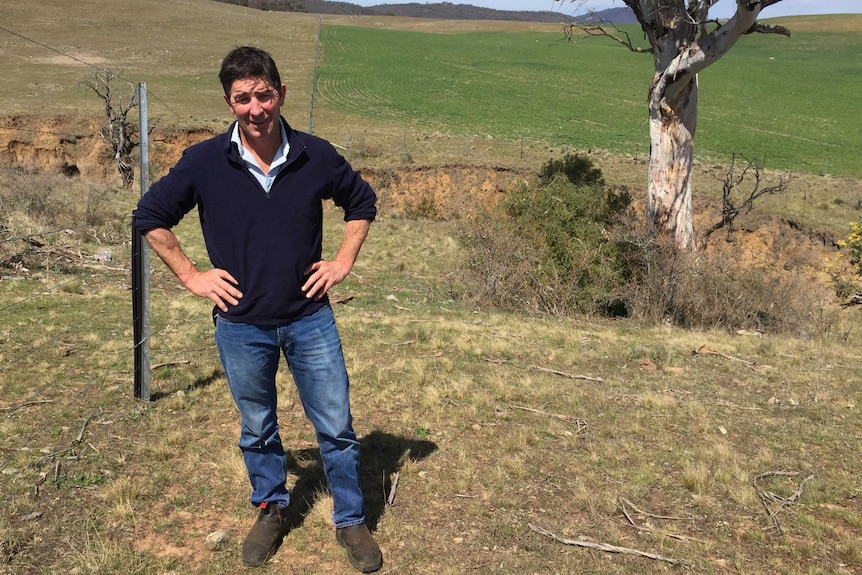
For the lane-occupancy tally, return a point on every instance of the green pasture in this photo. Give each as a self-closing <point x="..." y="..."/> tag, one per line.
<point x="793" y="101"/>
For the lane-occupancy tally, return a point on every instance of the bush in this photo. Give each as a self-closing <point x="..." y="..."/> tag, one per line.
<point x="548" y="248"/>
<point x="579" y="170"/>
<point x="555" y="246"/>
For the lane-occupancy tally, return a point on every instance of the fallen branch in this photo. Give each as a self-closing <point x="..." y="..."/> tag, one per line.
<point x="625" y="501"/>
<point x="83" y="427"/>
<point x="703" y="350"/>
<point x="606" y="547"/>
<point x="564" y="374"/>
<point x="782" y="502"/>
<point x="52" y="455"/>
<point x="390" y="500"/>
<point x="734" y="406"/>
<point x="166" y="364"/>
<point x="500" y="361"/>
<point x="26" y="404"/>
<point x="581" y="423"/>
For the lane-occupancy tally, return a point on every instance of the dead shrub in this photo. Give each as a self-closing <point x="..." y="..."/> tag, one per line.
<point x="32" y="195"/>
<point x="43" y="212"/>
<point x="719" y="291"/>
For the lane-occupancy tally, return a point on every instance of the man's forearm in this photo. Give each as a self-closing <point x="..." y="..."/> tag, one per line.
<point x="167" y="247"/>
<point x="355" y="232"/>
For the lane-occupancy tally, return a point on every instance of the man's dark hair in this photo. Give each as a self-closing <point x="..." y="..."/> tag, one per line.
<point x="248" y="62"/>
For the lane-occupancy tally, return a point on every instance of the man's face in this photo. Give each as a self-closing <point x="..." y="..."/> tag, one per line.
<point x="257" y="106"/>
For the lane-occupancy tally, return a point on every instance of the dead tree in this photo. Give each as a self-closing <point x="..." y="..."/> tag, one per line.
<point x="683" y="41"/>
<point x="120" y="132"/>
<point x="732" y="180"/>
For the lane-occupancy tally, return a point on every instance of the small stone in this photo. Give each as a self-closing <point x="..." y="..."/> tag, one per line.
<point x="104" y="256"/>
<point x="217" y="540"/>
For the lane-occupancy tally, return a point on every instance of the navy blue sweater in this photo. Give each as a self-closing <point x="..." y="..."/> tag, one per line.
<point x="264" y="240"/>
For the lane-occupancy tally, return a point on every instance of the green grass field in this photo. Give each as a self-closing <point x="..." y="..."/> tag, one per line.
<point x="792" y="101"/>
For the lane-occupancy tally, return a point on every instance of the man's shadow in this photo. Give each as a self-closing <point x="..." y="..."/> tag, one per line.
<point x="381" y="456"/>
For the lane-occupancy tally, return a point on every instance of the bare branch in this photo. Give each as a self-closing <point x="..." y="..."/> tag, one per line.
<point x="26" y="404"/>
<point x="703" y="350"/>
<point x="390" y="499"/>
<point x="624" y="502"/>
<point x="731" y="183"/>
<point x="759" y="28"/>
<point x="605" y="547"/>
<point x="84" y="427"/>
<point x="767" y="497"/>
<point x="601" y="30"/>
<point x="565" y="374"/>
<point x="580" y="422"/>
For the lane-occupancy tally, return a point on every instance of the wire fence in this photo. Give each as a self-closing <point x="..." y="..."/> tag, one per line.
<point x="34" y="303"/>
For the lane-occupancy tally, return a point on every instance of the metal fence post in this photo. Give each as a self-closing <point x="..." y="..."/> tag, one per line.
<point x="141" y="266"/>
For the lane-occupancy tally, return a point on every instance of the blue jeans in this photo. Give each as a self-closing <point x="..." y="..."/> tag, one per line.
<point x="311" y="345"/>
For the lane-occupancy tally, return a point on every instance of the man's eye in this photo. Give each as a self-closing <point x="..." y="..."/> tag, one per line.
<point x="241" y="99"/>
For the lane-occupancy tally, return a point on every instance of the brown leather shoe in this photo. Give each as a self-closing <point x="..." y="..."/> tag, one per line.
<point x="362" y="551"/>
<point x="265" y="536"/>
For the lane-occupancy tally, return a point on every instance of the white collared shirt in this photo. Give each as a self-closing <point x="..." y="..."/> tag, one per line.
<point x="278" y="161"/>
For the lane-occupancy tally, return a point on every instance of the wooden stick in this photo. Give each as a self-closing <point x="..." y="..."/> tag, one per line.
<point x="642" y="512"/>
<point x="564" y="374"/>
<point x="664" y="533"/>
<point x="180" y="362"/>
<point x="734" y="406"/>
<point x="703" y="350"/>
<point x="52" y="455"/>
<point x="781" y="501"/>
<point x="83" y="427"/>
<point x="625" y="502"/>
<point x="26" y="404"/>
<point x="606" y="547"/>
<point x="582" y="423"/>
<point x="390" y="501"/>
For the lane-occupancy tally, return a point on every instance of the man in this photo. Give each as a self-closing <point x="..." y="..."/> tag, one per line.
<point x="258" y="189"/>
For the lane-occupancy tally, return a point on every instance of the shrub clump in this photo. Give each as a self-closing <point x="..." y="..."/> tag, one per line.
<point x="548" y="246"/>
<point x="566" y="243"/>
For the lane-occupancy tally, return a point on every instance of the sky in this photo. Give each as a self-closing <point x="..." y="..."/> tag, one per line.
<point x="724" y="8"/>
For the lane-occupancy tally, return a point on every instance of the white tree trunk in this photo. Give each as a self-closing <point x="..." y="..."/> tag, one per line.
<point x="672" y="125"/>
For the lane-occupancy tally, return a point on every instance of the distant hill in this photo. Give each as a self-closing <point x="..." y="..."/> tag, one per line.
<point x="438" y="10"/>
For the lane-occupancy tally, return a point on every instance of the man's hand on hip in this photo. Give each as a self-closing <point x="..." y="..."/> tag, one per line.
<point x="324" y="275"/>
<point x="216" y="285"/>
